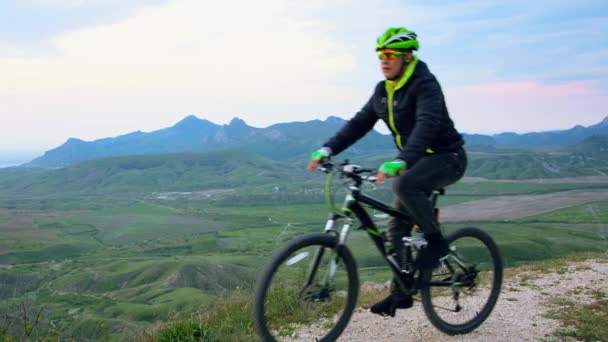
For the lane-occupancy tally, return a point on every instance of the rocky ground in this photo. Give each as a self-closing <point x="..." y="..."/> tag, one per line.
<point x="522" y="313"/>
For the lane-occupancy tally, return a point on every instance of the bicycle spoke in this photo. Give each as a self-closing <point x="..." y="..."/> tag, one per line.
<point x="307" y="293"/>
<point x="468" y="276"/>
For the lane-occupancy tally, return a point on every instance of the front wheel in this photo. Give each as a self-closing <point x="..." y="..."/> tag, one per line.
<point x="461" y="292"/>
<point x="308" y="290"/>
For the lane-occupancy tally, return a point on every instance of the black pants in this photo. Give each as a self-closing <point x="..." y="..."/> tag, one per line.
<point x="412" y="191"/>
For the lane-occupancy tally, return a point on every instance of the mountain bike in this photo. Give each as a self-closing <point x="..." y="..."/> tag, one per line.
<point x="309" y="289"/>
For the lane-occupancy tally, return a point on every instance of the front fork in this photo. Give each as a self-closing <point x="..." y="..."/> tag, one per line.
<point x="333" y="263"/>
<point x="404" y="278"/>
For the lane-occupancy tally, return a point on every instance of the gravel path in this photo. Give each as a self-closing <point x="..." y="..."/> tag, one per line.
<point x="565" y="180"/>
<point x="518" y="316"/>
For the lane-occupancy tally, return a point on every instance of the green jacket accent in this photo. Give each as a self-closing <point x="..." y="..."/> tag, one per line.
<point x="390" y="90"/>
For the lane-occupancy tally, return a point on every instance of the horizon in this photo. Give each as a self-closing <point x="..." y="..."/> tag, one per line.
<point x="104" y="68"/>
<point x="10" y="158"/>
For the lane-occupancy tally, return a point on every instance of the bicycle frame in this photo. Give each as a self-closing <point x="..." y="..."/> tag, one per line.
<point x="458" y="270"/>
<point x="352" y="209"/>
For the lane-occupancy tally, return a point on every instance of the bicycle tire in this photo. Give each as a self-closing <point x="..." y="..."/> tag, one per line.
<point x="496" y="281"/>
<point x="314" y="239"/>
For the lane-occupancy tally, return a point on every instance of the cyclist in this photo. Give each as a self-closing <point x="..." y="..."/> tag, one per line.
<point x="431" y="155"/>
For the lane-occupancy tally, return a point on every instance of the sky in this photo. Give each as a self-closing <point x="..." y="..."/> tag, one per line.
<point x="92" y="69"/>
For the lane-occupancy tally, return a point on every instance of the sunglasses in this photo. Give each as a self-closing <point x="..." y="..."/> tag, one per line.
<point x="389" y="54"/>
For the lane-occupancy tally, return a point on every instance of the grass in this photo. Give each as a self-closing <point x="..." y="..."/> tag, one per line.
<point x="585" y="327"/>
<point x="369" y="295"/>
<point x="230" y="318"/>
<point x="582" y="322"/>
<point x="526" y="272"/>
<point x="186" y="331"/>
<point x="108" y="259"/>
<point x="587" y="322"/>
<point x="134" y="267"/>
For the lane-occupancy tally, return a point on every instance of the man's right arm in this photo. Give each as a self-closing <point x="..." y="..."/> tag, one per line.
<point x="354" y="129"/>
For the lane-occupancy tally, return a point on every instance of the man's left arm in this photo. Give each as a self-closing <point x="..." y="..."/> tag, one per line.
<point x="429" y="107"/>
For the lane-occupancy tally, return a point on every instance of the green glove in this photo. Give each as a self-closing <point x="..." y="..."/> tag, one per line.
<point x="393" y="168"/>
<point x="320" y="154"/>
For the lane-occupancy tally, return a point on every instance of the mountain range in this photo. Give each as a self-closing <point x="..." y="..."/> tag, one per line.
<point x="89" y="183"/>
<point x="280" y="141"/>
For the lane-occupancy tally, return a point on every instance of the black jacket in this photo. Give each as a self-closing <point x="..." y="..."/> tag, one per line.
<point x="419" y="121"/>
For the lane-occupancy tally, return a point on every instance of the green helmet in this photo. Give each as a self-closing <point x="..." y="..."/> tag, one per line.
<point x="397" y="38"/>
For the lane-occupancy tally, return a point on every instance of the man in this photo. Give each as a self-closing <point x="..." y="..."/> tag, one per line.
<point x="411" y="103"/>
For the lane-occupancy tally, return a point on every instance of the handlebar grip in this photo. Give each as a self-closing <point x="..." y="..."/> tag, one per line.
<point x="365" y="170"/>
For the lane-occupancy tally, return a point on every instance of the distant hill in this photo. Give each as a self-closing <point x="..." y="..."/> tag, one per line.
<point x="235" y="169"/>
<point x="533" y="165"/>
<point x="540" y="140"/>
<point x="554" y="138"/>
<point x="153" y="173"/>
<point x="281" y="141"/>
<point x="596" y="146"/>
<point x="588" y="157"/>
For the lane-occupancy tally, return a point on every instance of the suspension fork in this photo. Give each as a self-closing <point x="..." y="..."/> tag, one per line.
<point x="343" y="235"/>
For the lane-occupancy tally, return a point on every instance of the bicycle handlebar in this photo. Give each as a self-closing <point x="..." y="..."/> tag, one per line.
<point x="351" y="171"/>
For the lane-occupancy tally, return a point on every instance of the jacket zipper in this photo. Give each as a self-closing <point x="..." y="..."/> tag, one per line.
<point x="390" y="91"/>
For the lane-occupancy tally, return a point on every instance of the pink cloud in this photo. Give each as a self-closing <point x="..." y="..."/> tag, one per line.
<point x="529" y="89"/>
<point x="526" y="106"/>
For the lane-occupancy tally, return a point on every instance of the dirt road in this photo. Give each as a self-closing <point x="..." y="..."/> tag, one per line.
<point x="516" y="206"/>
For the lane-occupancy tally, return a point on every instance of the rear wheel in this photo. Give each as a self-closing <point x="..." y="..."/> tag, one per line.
<point x="308" y="290"/>
<point x="473" y="270"/>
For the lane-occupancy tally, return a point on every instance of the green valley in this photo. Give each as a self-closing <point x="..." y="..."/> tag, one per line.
<point x="110" y="249"/>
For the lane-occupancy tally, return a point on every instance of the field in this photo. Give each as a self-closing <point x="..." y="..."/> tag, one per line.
<point x="108" y="271"/>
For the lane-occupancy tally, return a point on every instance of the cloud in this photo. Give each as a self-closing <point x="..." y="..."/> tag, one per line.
<point x="29" y="23"/>
<point x="271" y="61"/>
<point x="525" y="106"/>
<point x="531" y="90"/>
<point x="191" y="41"/>
<point x="189" y="56"/>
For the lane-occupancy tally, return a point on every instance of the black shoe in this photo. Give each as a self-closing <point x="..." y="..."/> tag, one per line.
<point x="437" y="248"/>
<point x="390" y="304"/>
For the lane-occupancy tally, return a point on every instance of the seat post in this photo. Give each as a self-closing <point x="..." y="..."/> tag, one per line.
<point x="435" y="194"/>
